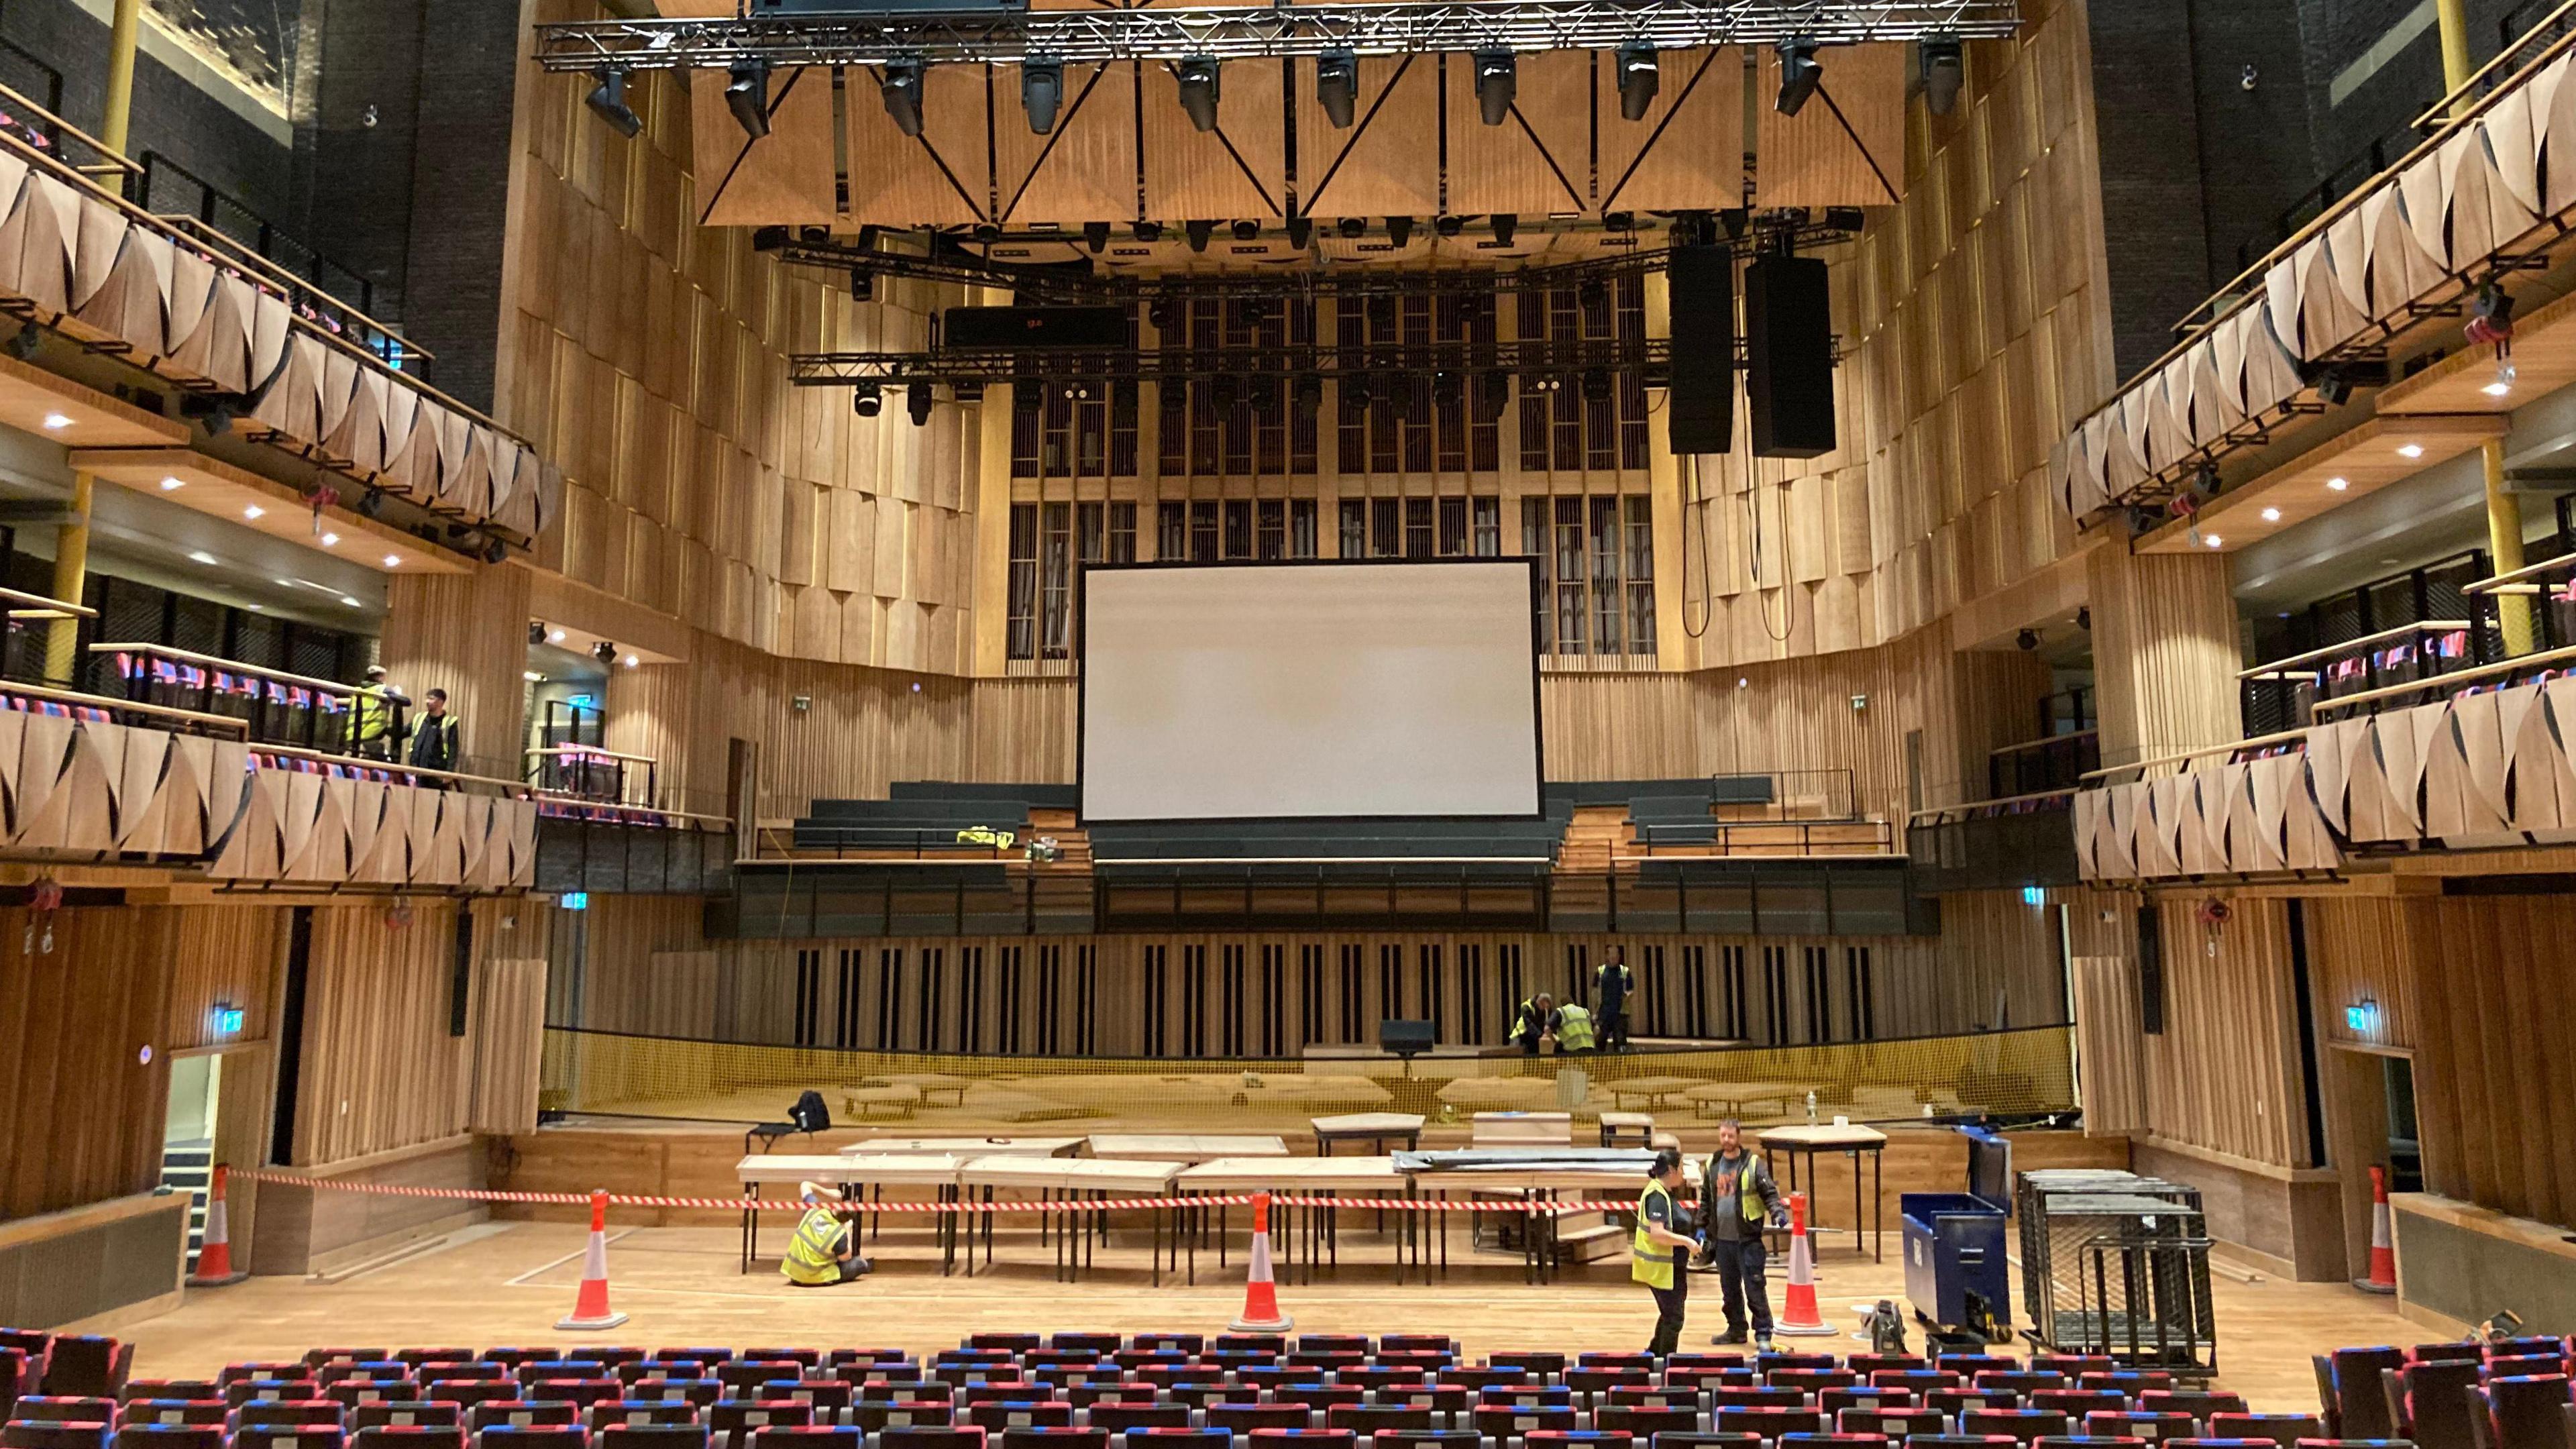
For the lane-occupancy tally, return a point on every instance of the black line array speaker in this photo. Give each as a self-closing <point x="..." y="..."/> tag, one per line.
<point x="1789" y="357"/>
<point x="1699" y="408"/>
<point x="1097" y="329"/>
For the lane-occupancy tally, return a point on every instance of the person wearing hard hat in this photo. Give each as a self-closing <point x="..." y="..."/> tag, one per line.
<point x="1657" y="1251"/>
<point x="825" y="1249"/>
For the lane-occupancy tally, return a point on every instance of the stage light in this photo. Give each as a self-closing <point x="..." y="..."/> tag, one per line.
<point x="1493" y="394"/>
<point x="1159" y="313"/>
<point x="867" y="399"/>
<point x="1198" y="233"/>
<point x="1357" y="393"/>
<point x="863" y="284"/>
<point x="1399" y="229"/>
<point x="1944" y="66"/>
<point x="1337" y="86"/>
<point x="1447" y="388"/>
<point x="1800" y="74"/>
<point x="1308" y="394"/>
<point x="1497" y="80"/>
<point x="608" y="102"/>
<point x="1199" y="91"/>
<point x="902" y="91"/>
<point x="1095" y="235"/>
<point x="1247" y="231"/>
<point x="2028" y="639"/>
<point x="1354" y="227"/>
<point x="1146" y="231"/>
<point x="917" y="400"/>
<point x="1618" y="221"/>
<point x="494" y="550"/>
<point x="1225" y="392"/>
<point x="1399" y="397"/>
<point x="1448" y="226"/>
<point x="26" y="341"/>
<point x="1505" y="224"/>
<point x="1041" y="92"/>
<point x="1301" y="230"/>
<point x="1596" y="385"/>
<point x="747" y="95"/>
<point x="1641" y="76"/>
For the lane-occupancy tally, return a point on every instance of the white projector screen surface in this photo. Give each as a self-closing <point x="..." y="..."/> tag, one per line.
<point x="1295" y="690"/>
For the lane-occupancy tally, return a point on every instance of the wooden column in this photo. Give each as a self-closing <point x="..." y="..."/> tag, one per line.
<point x="648" y="713"/>
<point x="2165" y="653"/>
<point x="466" y="634"/>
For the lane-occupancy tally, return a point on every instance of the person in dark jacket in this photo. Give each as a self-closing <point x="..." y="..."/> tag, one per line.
<point x="1612" y="985"/>
<point x="1737" y="1199"/>
<point x="433" y="736"/>
<point x="1536" y="1018"/>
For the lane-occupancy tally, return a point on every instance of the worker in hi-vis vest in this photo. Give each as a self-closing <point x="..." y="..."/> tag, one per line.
<point x="1661" y="1244"/>
<point x="1535" y="1019"/>
<point x="825" y="1249"/>
<point x="1737" y="1198"/>
<point x="1573" y="1028"/>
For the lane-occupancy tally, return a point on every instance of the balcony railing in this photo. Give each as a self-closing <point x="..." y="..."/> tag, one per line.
<point x="2054" y="763"/>
<point x="2292" y="689"/>
<point x="275" y="707"/>
<point x="590" y="774"/>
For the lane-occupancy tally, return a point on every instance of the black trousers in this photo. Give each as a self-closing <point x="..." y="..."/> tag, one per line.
<point x="1614" y="1031"/>
<point x="1669" y="1303"/>
<point x="1739" y="1273"/>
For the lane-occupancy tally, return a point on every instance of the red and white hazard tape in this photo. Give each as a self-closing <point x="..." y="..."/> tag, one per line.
<point x="924" y="1205"/>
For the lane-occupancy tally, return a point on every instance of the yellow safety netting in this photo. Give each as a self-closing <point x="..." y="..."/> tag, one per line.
<point x="2022" y="1071"/>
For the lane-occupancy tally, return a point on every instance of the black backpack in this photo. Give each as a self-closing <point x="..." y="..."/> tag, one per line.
<point x="809" y="1114"/>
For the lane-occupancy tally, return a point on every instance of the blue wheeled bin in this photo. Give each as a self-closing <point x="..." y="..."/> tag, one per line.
<point x="1955" y="1272"/>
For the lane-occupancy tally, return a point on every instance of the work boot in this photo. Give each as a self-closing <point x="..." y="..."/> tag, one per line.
<point x="1729" y="1339"/>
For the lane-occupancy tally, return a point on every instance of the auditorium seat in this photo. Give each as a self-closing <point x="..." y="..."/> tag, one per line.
<point x="1054" y="1436"/>
<point x="639" y="1412"/>
<point x="2282" y="1429"/>
<point x="408" y="1436"/>
<point x="1863" y="1396"/>
<point x="87" y="1364"/>
<point x="650" y="1436"/>
<point x="251" y="1391"/>
<point x="169" y="1436"/>
<point x="2428" y="1400"/>
<point x="2522" y="1411"/>
<point x="1119" y="1418"/>
<point x="171" y="1411"/>
<point x="809" y="1436"/>
<point x="2349" y="1393"/>
<point x="43" y="1434"/>
<point x="1707" y="1439"/>
<point x="422" y="1414"/>
<point x="1896" y="1423"/>
<point x="1020" y="1414"/>
<point x="320" y="1358"/>
<point x="321" y="1412"/>
<point x="67" y="1409"/>
<point x="2199" y="1403"/>
<point x="520" y="1414"/>
<point x="878" y="1415"/>
<point x="353" y="1391"/>
<point x="532" y="1436"/>
<point x="2022" y="1425"/>
<point x="2138" y="1424"/>
<point x="170" y="1389"/>
<point x="288" y="1436"/>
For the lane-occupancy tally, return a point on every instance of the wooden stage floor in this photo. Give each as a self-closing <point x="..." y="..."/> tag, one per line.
<point x="509" y="1282"/>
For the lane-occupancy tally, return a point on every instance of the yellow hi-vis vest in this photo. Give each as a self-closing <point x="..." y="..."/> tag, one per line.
<point x="1749" y="1201"/>
<point x="1650" y="1262"/>
<point x="814" y="1254"/>
<point x="1573" y="1028"/>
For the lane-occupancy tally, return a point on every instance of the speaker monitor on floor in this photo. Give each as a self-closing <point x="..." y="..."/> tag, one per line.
<point x="1789" y="347"/>
<point x="1700" y="405"/>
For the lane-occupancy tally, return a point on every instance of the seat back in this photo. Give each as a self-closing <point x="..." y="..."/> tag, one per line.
<point x="2199" y="1403"/>
<point x="2283" y="1429"/>
<point x="68" y="1408"/>
<point x="879" y="1415"/>
<point x="246" y="1391"/>
<point x="170" y="1436"/>
<point x="1055" y="1436"/>
<point x="1020" y="1414"/>
<point x="45" y="1434"/>
<point x="409" y="1436"/>
<point x="639" y="1413"/>
<point x="171" y="1411"/>
<point x="2528" y="1411"/>
<point x="2429" y="1399"/>
<point x="418" y="1414"/>
<point x="289" y="1436"/>
<point x="1897" y="1424"/>
<point x="651" y="1436"/>
<point x="1768" y="1420"/>
<point x="2022" y="1425"/>
<point x="288" y="1411"/>
<point x="87" y="1364"/>
<point x="2349" y="1390"/>
<point x="2137" y="1424"/>
<point x="521" y="1414"/>
<point x="532" y="1436"/>
<point x="1641" y="1421"/>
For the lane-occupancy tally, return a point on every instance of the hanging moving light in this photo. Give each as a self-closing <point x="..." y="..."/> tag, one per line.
<point x="902" y="90"/>
<point x="1041" y="92"/>
<point x="1800" y="74"/>
<point x="917" y="400"/>
<point x="1199" y="91"/>
<point x="608" y="102"/>
<point x="1504" y="224"/>
<point x="1497" y="80"/>
<point x="867" y="400"/>
<point x="1337" y="86"/>
<point x="747" y="95"/>
<point x="1641" y="76"/>
<point x="1944" y="66"/>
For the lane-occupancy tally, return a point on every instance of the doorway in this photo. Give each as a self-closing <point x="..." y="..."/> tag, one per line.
<point x="188" y="1136"/>
<point x="2370" y="1118"/>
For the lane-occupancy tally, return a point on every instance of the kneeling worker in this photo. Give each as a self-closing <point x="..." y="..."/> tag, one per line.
<point x="1573" y="1029"/>
<point x="1657" y="1251"/>
<point x="1536" y="1018"/>
<point x="825" y="1249"/>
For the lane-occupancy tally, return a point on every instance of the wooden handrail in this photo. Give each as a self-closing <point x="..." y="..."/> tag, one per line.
<point x="2043" y="742"/>
<point x="2530" y="570"/>
<point x="2332" y="651"/>
<point x="211" y="661"/>
<point x="43" y="606"/>
<point x="2452" y="96"/>
<point x="109" y="158"/>
<point x="359" y="762"/>
<point x="589" y="752"/>
<point x="2060" y="792"/>
<point x="2455" y="677"/>
<point x="279" y="276"/>
<point x="112" y="703"/>
<point x="2256" y="742"/>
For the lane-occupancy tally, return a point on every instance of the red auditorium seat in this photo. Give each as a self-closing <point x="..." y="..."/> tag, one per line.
<point x="409" y="1436"/>
<point x="1955" y="1441"/>
<point x="38" y="1434"/>
<point x="2523" y="1364"/>
<point x="1906" y="1424"/>
<point x="639" y="1412"/>
<point x="1392" y="1439"/>
<point x="650" y="1436"/>
<point x="532" y="1436"/>
<point x="171" y="1411"/>
<point x="584" y="1392"/>
<point x="1365" y="1420"/>
<point x="2428" y="1400"/>
<point x="733" y="1420"/>
<point x="418" y="1356"/>
<point x="2445" y="1350"/>
<point x="1020" y="1414"/>
<point x="1308" y="1439"/>
<point x="317" y="1358"/>
<point x="169" y="1436"/>
<point x="2281" y="1429"/>
<point x="1708" y="1439"/>
<point x="2076" y="1403"/>
<point x="2199" y="1403"/>
<point x="288" y="1436"/>
<point x="1812" y="1380"/>
<point x="1819" y="1441"/>
<point x="745" y="1373"/>
<point x="1972" y="1363"/>
<point x="1382" y="1376"/>
<point x="1438" y="1398"/>
<point x="1596" y="1379"/>
<point x="1273" y="1343"/>
<point x="469" y="1392"/>
<point x="342" y="1370"/>
<point x="171" y="1389"/>
<point x="726" y="1355"/>
<point x="1525" y="1396"/>
<point x="1641" y="1421"/>
<point x="513" y="1357"/>
<point x="1860" y="1396"/>
<point x="521" y="1414"/>
<point x="1578" y="1439"/>
<point x="1503" y="1423"/>
<point x="87" y="1364"/>
<point x="1244" y="1418"/>
<point x="1416" y="1343"/>
<point x="475" y="1370"/>
<point x="245" y="1391"/>
<point x="828" y="1396"/>
<point x="2086" y="1441"/>
<point x="1184" y="1342"/>
<point x="842" y="1356"/>
<point x="925" y="1391"/>
<point x="2525" y="1345"/>
<point x="2019" y="1381"/>
<point x="352" y="1392"/>
<point x="1318" y="1397"/>
<point x="1955" y="1402"/>
<point x="927" y="1436"/>
<point x="1487" y="1376"/>
<point x="68" y="1409"/>
<point x="1055" y="1436"/>
<point x="1119" y="1418"/>
<point x="289" y="1412"/>
<point x="809" y="1436"/>
<point x="1652" y="1396"/>
<point x="1732" y="1396"/>
<point x="1866" y="1364"/>
<point x="2522" y="1411"/>
<point x="1543" y="1365"/>
<point x="2020" y="1425"/>
<point x="1424" y="1360"/>
<point x="2073" y="1364"/>
<point x="1768" y="1420"/>
<point x="422" y="1414"/>
<point x="1919" y="1381"/>
<point x="877" y="1415"/>
<point x="993" y="1391"/>
<point x="1083" y="1396"/>
<point x="234" y="1373"/>
<point x="2138" y="1424"/>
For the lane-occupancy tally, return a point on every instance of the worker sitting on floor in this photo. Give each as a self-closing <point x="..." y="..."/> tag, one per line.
<point x="1535" y="1019"/>
<point x="825" y="1249"/>
<point x="1573" y="1029"/>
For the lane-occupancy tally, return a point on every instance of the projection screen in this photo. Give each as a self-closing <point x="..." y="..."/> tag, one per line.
<point x="1266" y="691"/>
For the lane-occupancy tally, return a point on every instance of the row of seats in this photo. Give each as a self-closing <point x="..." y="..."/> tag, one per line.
<point x="2510" y="1393"/>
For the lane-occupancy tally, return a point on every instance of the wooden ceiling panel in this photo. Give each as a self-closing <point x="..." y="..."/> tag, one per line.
<point x="1687" y="153"/>
<point x="943" y="177"/>
<point x="786" y="177"/>
<point x="1238" y="170"/>
<point x="1539" y="160"/>
<point x="1083" y="170"/>
<point x="1388" y="162"/>
<point x="1846" y="146"/>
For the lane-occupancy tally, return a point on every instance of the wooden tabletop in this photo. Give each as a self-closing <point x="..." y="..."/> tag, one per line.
<point x="1823" y="1135"/>
<point x="1088" y="1173"/>
<point x="1364" y="1124"/>
<point x="1203" y="1148"/>
<point x="969" y="1146"/>
<point x="1651" y="1086"/>
<point x="1644" y="1121"/>
<point x="1745" y="1092"/>
<point x="1515" y="1179"/>
<point x="890" y="1169"/>
<point x="1243" y="1174"/>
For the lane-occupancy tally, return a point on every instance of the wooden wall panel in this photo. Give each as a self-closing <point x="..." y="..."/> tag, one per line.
<point x="2360" y="948"/>
<point x="466" y="634"/>
<point x="1238" y="170"/>
<point x="2166" y="653"/>
<point x="509" y="1020"/>
<point x="1381" y="166"/>
<point x="221" y="954"/>
<point x="1689" y="146"/>
<point x="380" y="1070"/>
<point x="1539" y="160"/>
<point x="2109" y="1045"/>
<point x="1846" y="143"/>
<point x="2224" y="1075"/>
<point x="784" y="178"/>
<point x="1084" y="169"/>
<point x="2495" y="1065"/>
<point x="81" y="1063"/>
<point x="944" y="176"/>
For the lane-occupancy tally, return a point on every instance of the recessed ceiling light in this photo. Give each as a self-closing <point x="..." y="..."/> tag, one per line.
<point x="2213" y="540"/>
<point x="286" y="583"/>
<point x="632" y="661"/>
<point x="352" y="603"/>
<point x="556" y="637"/>
<point x="532" y="676"/>
<point x="173" y="485"/>
<point x="254" y="511"/>
<point x="2410" y="450"/>
<point x="56" y="422"/>
<point x="2271" y="515"/>
<point x="393" y="560"/>
<point x="2496" y="389"/>
<point x="330" y="540"/>
<point x="256" y="608"/>
<point x="2338" y="484"/>
<point x="201" y="556"/>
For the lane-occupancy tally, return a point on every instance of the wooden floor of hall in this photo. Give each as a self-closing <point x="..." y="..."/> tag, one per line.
<point x="507" y="1283"/>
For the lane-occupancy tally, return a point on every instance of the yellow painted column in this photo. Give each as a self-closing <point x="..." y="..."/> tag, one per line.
<point x="992" y="484"/>
<point x="2452" y="19"/>
<point x="122" y="34"/>
<point x="71" y="572"/>
<point x="1674" y="649"/>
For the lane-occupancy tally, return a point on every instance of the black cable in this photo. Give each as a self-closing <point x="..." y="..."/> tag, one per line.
<point x="1697" y="502"/>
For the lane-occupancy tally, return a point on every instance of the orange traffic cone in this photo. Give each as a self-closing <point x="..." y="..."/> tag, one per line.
<point x="590" y="1308"/>
<point x="1799" y="1317"/>
<point x="1260" y="1296"/>
<point x="2383" y="1251"/>
<point x="215" y="1250"/>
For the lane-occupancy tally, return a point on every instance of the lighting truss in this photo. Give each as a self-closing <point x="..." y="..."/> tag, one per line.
<point x="1565" y="361"/>
<point x="1382" y="27"/>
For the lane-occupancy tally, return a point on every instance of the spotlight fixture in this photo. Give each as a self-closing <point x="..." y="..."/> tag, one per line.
<point x="1399" y="392"/>
<point x="1146" y="231"/>
<point x="2084" y="617"/>
<point x="1596" y="385"/>
<point x="2205" y="482"/>
<point x="1493" y="393"/>
<point x="2028" y="639"/>
<point x="917" y="401"/>
<point x="901" y="89"/>
<point x="1497" y="81"/>
<point x="1800" y="74"/>
<point x="1447" y="388"/>
<point x="371" y="503"/>
<point x="1095" y="236"/>
<point x="1641" y="75"/>
<point x="1399" y="229"/>
<point x="1225" y="392"/>
<point x="1308" y="395"/>
<point x="1592" y="294"/>
<point x="747" y="95"/>
<point x="1041" y="92"/>
<point x="1159" y="313"/>
<point x="1357" y="393"/>
<point x="1198" y="233"/>
<point x="1247" y="231"/>
<point x="1618" y="221"/>
<point x="494" y="550"/>
<point x="608" y="102"/>
<point x="1337" y="86"/>
<point x="1733" y="220"/>
<point x="1448" y="225"/>
<point x="1505" y="224"/>
<point x="536" y="632"/>
<point x="1944" y="66"/>
<point x="24" y="342"/>
<point x="1301" y="230"/>
<point x="867" y="399"/>
<point x="603" y="651"/>
<point x="1199" y="91"/>
<point x="1354" y="227"/>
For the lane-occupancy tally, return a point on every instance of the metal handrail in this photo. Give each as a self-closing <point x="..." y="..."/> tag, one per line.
<point x="2453" y="96"/>
<point x="2336" y="651"/>
<point x="2458" y="677"/>
<point x="2501" y="583"/>
<point x="111" y="703"/>
<point x="244" y="257"/>
<point x="235" y="666"/>
<point x="1939" y="813"/>
<point x="110" y="160"/>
